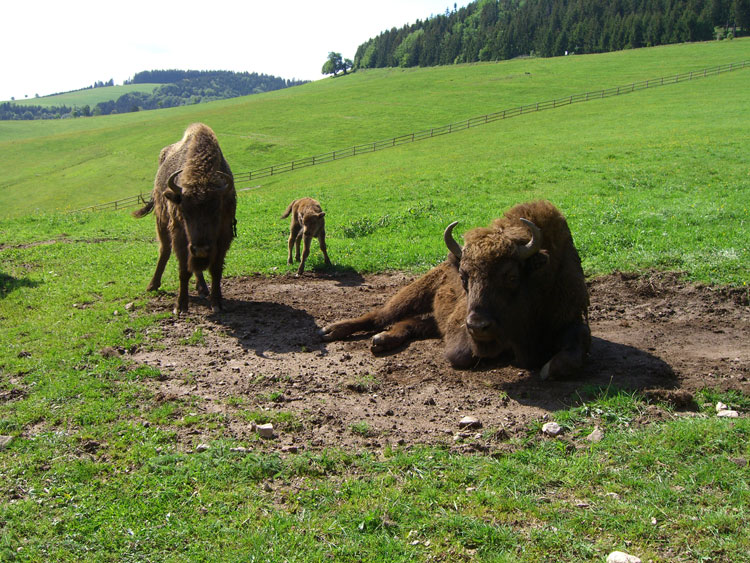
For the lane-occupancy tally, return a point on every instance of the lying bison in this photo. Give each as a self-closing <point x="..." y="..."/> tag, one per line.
<point x="516" y="287"/>
<point x="194" y="202"/>
<point x="308" y="221"/>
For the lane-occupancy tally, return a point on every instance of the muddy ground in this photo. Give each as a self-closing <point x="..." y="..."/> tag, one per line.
<point x="653" y="333"/>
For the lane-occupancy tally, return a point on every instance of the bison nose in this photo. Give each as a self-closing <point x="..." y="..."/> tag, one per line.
<point x="199" y="251"/>
<point x="477" y="323"/>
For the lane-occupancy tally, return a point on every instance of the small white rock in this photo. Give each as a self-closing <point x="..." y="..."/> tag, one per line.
<point x="202" y="447"/>
<point x="721" y="407"/>
<point x="622" y="557"/>
<point x="728" y="414"/>
<point x="129" y="306"/>
<point x="5" y="441"/>
<point x="469" y="422"/>
<point x="265" y="430"/>
<point x="596" y="435"/>
<point x="552" y="429"/>
<point x="239" y="450"/>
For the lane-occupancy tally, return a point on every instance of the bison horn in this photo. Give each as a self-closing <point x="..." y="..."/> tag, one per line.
<point x="533" y="246"/>
<point x="450" y="242"/>
<point x="172" y="183"/>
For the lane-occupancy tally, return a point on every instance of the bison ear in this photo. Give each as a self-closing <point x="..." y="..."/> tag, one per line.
<point x="173" y="196"/>
<point x="322" y="214"/>
<point x="537" y="261"/>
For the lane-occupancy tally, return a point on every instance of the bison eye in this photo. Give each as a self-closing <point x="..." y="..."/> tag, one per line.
<point x="511" y="280"/>
<point x="464" y="280"/>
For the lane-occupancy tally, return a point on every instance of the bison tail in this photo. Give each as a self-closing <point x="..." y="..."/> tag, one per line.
<point x="145" y="210"/>
<point x="288" y="210"/>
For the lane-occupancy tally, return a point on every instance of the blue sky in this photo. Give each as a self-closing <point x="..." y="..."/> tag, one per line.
<point x="55" y="47"/>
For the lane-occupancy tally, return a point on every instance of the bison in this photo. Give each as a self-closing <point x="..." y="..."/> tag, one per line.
<point x="516" y="287"/>
<point x="194" y="202"/>
<point x="307" y="222"/>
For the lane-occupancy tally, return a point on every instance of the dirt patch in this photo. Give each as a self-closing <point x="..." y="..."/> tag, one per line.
<point x="654" y="333"/>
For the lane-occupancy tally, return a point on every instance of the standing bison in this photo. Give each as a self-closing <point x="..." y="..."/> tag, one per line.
<point x="194" y="202"/>
<point x="308" y="221"/>
<point x="516" y="287"/>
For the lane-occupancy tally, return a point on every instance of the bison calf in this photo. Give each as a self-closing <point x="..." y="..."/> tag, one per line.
<point x="307" y="222"/>
<point x="516" y="287"/>
<point x="194" y="202"/>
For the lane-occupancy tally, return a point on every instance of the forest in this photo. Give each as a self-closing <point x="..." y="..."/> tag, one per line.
<point x="491" y="30"/>
<point x="177" y="88"/>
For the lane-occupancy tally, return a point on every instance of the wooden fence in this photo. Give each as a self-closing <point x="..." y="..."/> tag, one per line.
<point x="451" y="128"/>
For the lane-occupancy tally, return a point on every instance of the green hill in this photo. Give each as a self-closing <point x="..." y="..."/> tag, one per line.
<point x="87" y="96"/>
<point x="148" y="90"/>
<point x="71" y="163"/>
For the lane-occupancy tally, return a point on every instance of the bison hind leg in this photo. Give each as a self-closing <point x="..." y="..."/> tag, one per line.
<point x="408" y="329"/>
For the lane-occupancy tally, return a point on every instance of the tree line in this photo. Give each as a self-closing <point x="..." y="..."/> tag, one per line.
<point x="489" y="30"/>
<point x="177" y="88"/>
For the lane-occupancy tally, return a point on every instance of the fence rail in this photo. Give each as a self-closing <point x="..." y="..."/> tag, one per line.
<point x="452" y="128"/>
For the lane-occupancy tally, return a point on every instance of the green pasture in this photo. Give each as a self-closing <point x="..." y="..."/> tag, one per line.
<point x="89" y="96"/>
<point x="653" y="179"/>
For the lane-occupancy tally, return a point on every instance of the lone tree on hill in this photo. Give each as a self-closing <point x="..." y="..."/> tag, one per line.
<point x="335" y="63"/>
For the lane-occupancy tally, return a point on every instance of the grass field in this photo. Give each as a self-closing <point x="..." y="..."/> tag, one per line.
<point x="89" y="96"/>
<point x="654" y="179"/>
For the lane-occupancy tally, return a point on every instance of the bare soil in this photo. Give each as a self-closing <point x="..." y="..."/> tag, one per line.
<point x="653" y="333"/>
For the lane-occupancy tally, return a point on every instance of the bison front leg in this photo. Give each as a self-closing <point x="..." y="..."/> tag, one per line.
<point x="182" y="298"/>
<point x="305" y="254"/>
<point x="216" y="268"/>
<point x="294" y="234"/>
<point x="341" y="329"/>
<point x="574" y="343"/>
<point x="184" y="274"/>
<point x="411" y="301"/>
<point x="404" y="331"/>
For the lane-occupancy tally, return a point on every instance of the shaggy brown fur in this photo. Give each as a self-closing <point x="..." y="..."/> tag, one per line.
<point x="194" y="202"/>
<point x="487" y="299"/>
<point x="307" y="222"/>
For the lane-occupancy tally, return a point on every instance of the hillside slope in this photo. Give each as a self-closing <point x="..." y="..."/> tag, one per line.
<point x="69" y="164"/>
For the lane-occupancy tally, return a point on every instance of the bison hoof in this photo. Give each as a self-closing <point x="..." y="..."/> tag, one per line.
<point x="384" y="341"/>
<point x="332" y="332"/>
<point x="544" y="373"/>
<point x="565" y="363"/>
<point x="326" y="333"/>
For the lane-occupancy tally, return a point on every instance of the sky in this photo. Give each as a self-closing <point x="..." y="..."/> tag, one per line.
<point x="49" y="47"/>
